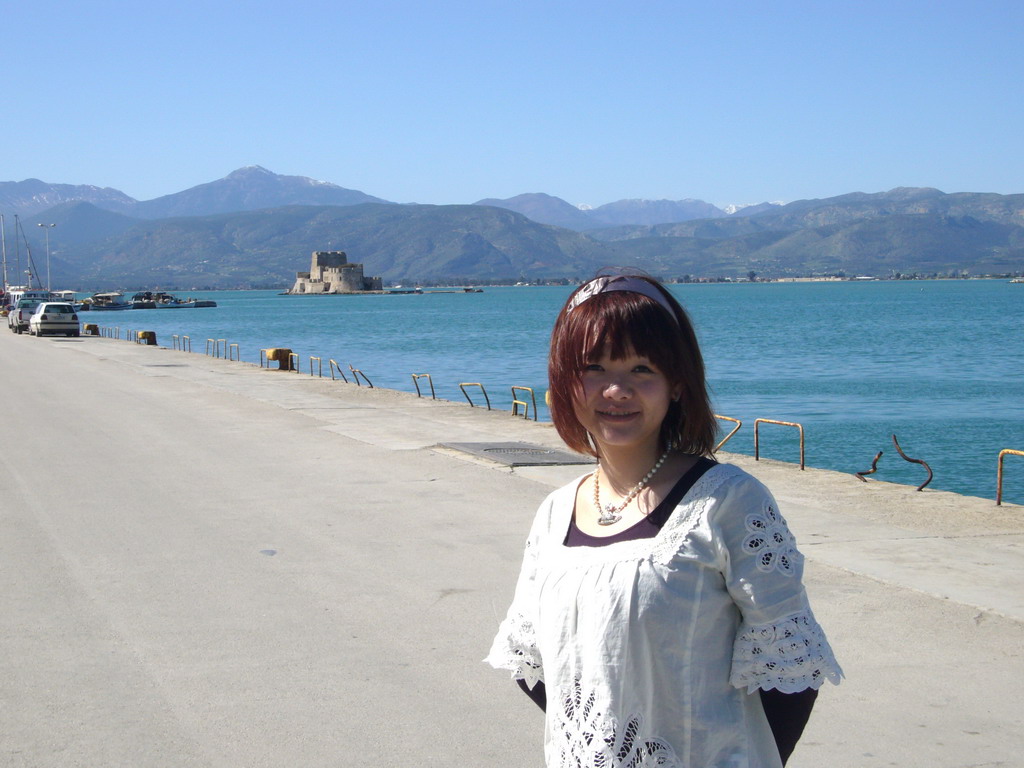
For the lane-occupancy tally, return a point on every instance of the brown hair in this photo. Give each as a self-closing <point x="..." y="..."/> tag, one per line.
<point x="620" y="321"/>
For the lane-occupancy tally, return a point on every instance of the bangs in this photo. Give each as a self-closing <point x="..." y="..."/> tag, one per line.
<point x="620" y="323"/>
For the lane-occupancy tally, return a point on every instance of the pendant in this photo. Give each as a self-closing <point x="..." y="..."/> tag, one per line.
<point x="608" y="516"/>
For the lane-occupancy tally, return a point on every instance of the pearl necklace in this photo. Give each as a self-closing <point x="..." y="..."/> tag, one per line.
<point x="609" y="514"/>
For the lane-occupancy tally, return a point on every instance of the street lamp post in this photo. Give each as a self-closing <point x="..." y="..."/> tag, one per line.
<point x="47" y="228"/>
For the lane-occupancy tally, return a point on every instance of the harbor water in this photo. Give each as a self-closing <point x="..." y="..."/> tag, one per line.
<point x="937" y="363"/>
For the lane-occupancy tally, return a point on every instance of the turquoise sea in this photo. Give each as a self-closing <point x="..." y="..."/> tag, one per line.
<point x="938" y="363"/>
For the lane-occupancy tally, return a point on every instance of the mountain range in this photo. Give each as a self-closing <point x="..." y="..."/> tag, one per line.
<point x="246" y="189"/>
<point x="255" y="228"/>
<point x="546" y="209"/>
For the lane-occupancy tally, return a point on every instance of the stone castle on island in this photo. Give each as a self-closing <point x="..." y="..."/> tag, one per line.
<point x="331" y="272"/>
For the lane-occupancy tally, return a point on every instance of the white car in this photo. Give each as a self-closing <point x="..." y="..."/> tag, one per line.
<point x="54" y="317"/>
<point x="17" y="318"/>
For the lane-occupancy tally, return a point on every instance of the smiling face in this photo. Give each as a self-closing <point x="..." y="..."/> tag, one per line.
<point x="622" y="402"/>
<point x="618" y="325"/>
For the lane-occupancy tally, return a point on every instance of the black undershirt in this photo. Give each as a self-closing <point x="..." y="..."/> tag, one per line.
<point x="651" y="524"/>
<point x="787" y="713"/>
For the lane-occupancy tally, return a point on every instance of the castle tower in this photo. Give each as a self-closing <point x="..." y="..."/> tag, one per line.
<point x="331" y="272"/>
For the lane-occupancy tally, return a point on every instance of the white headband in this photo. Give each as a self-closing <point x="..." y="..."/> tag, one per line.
<point x="620" y="283"/>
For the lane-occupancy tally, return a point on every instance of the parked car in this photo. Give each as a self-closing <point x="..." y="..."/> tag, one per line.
<point x="54" y="317"/>
<point x="18" y="317"/>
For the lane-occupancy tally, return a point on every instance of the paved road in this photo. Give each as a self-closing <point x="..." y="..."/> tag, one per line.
<point x="207" y="564"/>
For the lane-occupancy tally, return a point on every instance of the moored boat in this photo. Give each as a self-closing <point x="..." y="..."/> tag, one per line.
<point x="105" y="302"/>
<point x="143" y="300"/>
<point x="162" y="300"/>
<point x="15" y="292"/>
<point x="174" y="303"/>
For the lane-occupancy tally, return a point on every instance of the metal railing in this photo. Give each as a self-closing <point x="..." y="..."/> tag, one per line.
<point x="356" y="373"/>
<point x="912" y="461"/>
<point x="465" y="384"/>
<point x="734" y="430"/>
<point x="333" y="364"/>
<point x="221" y="348"/>
<point x="216" y="345"/>
<point x="416" y="380"/>
<point x="999" y="472"/>
<point x="526" y="406"/>
<point x="862" y="475"/>
<point x="758" y="422"/>
<point x="874" y="468"/>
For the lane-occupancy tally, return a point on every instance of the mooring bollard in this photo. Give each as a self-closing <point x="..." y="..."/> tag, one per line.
<point x="280" y="354"/>
<point x="145" y="337"/>
<point x="91" y="329"/>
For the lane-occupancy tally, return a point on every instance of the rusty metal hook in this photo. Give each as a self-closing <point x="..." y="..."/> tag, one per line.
<point x="874" y="468"/>
<point x="915" y="461"/>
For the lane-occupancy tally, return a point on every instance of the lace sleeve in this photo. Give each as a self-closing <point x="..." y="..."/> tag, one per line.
<point x="515" y="646"/>
<point x="515" y="649"/>
<point x="779" y="644"/>
<point x="790" y="655"/>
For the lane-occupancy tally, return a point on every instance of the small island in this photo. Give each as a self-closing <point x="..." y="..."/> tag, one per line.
<point x="331" y="273"/>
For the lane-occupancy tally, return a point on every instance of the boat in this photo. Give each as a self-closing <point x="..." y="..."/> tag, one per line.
<point x="143" y="300"/>
<point x="71" y="297"/>
<point x="105" y="302"/>
<point x="1017" y="280"/>
<point x="162" y="300"/>
<point x="15" y="292"/>
<point x="172" y="302"/>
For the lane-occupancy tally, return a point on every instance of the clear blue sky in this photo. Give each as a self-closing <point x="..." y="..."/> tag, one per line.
<point x="450" y="102"/>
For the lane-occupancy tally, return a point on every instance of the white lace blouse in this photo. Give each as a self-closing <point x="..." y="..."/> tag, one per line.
<point x="652" y="650"/>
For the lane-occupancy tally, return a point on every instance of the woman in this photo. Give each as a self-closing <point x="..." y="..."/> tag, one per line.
<point x="659" y="616"/>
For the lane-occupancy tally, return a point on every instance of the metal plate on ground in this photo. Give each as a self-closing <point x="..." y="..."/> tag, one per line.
<point x="520" y="454"/>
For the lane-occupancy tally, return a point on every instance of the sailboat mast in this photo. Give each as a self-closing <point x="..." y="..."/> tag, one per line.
<point x="3" y="247"/>
<point x="32" y="271"/>
<point x="17" y="247"/>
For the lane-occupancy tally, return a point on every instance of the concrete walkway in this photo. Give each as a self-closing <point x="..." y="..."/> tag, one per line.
<point x="203" y="563"/>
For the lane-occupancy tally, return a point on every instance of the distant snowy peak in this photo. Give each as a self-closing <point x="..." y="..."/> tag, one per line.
<point x="750" y="208"/>
<point x="250" y="171"/>
<point x="258" y="174"/>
